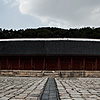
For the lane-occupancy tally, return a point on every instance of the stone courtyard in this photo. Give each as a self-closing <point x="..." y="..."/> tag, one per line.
<point x="79" y="88"/>
<point x="21" y="88"/>
<point x="31" y="88"/>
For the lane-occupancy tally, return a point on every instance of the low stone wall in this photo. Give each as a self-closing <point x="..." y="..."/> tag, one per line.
<point x="60" y="73"/>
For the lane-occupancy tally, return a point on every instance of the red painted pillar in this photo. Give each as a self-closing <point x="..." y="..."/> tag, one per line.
<point x="83" y="63"/>
<point x="59" y="66"/>
<point x="31" y="63"/>
<point x="96" y="63"/>
<point x="34" y="63"/>
<point x="19" y="65"/>
<point x="7" y="66"/>
<point x="71" y="64"/>
<point x="44" y="63"/>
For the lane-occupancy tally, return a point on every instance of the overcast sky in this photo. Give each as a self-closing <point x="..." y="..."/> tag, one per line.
<point x="18" y="14"/>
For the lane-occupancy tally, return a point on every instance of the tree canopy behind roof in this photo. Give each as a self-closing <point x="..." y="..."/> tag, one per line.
<point x="51" y="32"/>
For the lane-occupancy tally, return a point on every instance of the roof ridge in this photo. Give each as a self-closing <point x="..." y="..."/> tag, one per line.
<point x="50" y="39"/>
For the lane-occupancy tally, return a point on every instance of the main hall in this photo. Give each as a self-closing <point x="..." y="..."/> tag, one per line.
<point x="50" y="54"/>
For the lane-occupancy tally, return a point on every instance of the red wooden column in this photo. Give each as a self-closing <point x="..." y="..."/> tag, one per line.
<point x="34" y="63"/>
<point x="7" y="66"/>
<point x="19" y="65"/>
<point x="96" y="62"/>
<point x="83" y="63"/>
<point x="31" y="63"/>
<point x="71" y="63"/>
<point x="59" y="66"/>
<point x="44" y="64"/>
<point x="0" y="65"/>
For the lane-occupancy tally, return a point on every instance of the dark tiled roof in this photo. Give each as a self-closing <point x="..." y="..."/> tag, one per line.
<point x="50" y="47"/>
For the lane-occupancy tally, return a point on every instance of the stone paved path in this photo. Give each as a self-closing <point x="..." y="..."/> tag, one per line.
<point x="21" y="88"/>
<point x="30" y="88"/>
<point x="79" y="89"/>
<point x="50" y="91"/>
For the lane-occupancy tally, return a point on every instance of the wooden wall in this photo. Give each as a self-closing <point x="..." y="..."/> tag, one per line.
<point x="49" y="63"/>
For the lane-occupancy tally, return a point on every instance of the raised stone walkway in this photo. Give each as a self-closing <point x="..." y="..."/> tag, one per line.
<point x="50" y="91"/>
<point x="79" y="88"/>
<point x="31" y="88"/>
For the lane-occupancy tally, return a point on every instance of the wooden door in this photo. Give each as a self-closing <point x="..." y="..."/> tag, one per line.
<point x="77" y="63"/>
<point x="65" y="63"/>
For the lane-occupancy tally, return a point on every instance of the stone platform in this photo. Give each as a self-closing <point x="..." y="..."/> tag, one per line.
<point x="79" y="88"/>
<point x="45" y="73"/>
<point x="21" y="88"/>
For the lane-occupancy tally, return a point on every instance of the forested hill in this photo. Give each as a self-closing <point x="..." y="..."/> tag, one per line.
<point x="48" y="32"/>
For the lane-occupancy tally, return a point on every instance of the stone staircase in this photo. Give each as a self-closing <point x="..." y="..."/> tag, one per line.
<point x="27" y="73"/>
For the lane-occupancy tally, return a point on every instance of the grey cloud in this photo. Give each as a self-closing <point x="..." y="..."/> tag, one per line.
<point x="70" y="12"/>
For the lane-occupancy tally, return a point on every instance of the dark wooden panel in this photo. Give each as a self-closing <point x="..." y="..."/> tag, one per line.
<point x="51" y="63"/>
<point x="98" y="64"/>
<point x="13" y="63"/>
<point x="25" y="63"/>
<point x="38" y="63"/>
<point x="65" y="63"/>
<point x="65" y="66"/>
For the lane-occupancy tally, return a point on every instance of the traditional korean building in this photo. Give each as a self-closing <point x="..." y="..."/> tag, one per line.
<point x="50" y="54"/>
